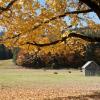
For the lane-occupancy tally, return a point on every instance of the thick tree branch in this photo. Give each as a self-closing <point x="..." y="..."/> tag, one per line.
<point x="2" y="9"/>
<point x="87" y="38"/>
<point x="8" y="38"/>
<point x="59" y="16"/>
<point x="84" y="37"/>
<point x="94" y="5"/>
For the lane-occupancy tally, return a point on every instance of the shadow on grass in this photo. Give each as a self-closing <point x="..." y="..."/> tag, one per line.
<point x="94" y="96"/>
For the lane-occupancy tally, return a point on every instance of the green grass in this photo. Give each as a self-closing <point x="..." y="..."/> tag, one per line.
<point x="29" y="77"/>
<point x="7" y="64"/>
<point x="25" y="77"/>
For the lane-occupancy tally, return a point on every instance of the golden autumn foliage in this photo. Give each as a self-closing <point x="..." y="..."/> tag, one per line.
<point x="41" y="22"/>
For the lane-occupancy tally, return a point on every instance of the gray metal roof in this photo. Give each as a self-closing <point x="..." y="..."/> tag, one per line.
<point x="88" y="63"/>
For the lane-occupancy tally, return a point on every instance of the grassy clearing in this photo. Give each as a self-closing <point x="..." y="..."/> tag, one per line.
<point x="26" y="77"/>
<point x="7" y="64"/>
<point x="11" y="76"/>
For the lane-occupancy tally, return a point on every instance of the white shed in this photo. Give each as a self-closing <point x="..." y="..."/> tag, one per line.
<point x="91" y="68"/>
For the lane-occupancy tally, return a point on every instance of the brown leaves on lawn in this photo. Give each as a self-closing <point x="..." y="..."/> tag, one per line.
<point x="47" y="93"/>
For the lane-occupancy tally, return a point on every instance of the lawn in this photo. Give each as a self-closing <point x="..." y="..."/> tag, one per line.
<point x="7" y="64"/>
<point x="29" y="77"/>
<point x="31" y="84"/>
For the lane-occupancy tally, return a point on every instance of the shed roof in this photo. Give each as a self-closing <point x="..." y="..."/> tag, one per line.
<point x="88" y="64"/>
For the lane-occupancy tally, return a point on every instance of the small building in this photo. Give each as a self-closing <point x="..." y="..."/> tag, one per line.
<point x="91" y="69"/>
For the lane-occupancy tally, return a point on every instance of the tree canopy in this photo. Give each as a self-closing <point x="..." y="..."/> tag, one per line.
<point x="39" y="23"/>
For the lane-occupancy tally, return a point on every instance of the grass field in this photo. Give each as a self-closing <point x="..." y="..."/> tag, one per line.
<point x="17" y="83"/>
